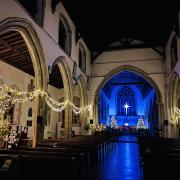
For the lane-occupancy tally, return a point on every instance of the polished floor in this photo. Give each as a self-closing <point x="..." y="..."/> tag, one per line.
<point x="123" y="163"/>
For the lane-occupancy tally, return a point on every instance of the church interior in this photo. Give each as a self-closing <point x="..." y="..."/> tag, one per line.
<point x="89" y="90"/>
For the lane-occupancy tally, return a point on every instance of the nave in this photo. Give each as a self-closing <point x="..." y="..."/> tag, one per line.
<point x="106" y="156"/>
<point x="89" y="95"/>
<point x="123" y="163"/>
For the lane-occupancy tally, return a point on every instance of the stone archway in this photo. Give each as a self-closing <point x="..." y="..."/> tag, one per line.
<point x="138" y="72"/>
<point x="173" y="91"/>
<point x="27" y="31"/>
<point x="174" y="97"/>
<point x="25" y="28"/>
<point x="68" y="91"/>
<point x="83" y="100"/>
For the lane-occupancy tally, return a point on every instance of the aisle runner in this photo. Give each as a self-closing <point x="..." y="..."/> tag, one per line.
<point x="122" y="164"/>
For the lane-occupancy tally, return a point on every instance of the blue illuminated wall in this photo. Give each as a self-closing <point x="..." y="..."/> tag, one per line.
<point x="128" y="87"/>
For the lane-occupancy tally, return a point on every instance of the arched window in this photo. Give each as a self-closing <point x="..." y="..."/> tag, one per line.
<point x="30" y="112"/>
<point x="35" y="9"/>
<point x="173" y="52"/>
<point x="82" y="59"/>
<point x="64" y="36"/>
<point x="126" y="95"/>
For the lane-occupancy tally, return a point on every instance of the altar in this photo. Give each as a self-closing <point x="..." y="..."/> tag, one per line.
<point x="127" y="120"/>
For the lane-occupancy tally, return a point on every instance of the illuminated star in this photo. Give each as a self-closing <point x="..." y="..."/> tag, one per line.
<point x="126" y="106"/>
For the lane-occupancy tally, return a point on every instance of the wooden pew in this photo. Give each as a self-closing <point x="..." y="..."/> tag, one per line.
<point x="80" y="158"/>
<point x="160" y="158"/>
<point x="32" y="167"/>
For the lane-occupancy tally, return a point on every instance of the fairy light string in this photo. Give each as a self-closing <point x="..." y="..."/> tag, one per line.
<point x="177" y="110"/>
<point x="11" y="96"/>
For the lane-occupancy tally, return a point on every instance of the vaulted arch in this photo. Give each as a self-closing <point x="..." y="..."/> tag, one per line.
<point x="32" y="41"/>
<point x="174" y="96"/>
<point x="82" y="84"/>
<point x="66" y="76"/>
<point x="68" y="91"/>
<point x="26" y="29"/>
<point x="138" y="72"/>
<point x="83" y="100"/>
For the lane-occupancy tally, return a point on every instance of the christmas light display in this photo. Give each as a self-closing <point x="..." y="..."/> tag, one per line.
<point x="176" y="110"/>
<point x="141" y="124"/>
<point x="4" y="125"/>
<point x="11" y="96"/>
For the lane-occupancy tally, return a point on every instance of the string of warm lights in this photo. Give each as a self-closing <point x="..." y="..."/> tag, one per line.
<point x="4" y="125"/>
<point x="176" y="110"/>
<point x="58" y="109"/>
<point x="12" y="96"/>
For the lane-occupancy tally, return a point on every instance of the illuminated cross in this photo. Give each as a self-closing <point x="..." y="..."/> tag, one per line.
<point x="126" y="106"/>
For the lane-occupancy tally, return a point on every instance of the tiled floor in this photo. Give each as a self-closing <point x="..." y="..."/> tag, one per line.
<point x="122" y="164"/>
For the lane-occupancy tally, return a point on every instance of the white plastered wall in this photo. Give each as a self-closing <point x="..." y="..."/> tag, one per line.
<point x="19" y="80"/>
<point x="48" y="34"/>
<point x="146" y="60"/>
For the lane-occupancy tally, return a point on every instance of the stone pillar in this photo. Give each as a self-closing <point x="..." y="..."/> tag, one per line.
<point x="83" y="121"/>
<point x="38" y="128"/>
<point x="166" y="122"/>
<point x="161" y="114"/>
<point x="34" y="124"/>
<point x="41" y="125"/>
<point x="68" y="121"/>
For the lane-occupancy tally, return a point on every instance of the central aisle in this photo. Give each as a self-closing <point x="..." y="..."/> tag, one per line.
<point x="123" y="162"/>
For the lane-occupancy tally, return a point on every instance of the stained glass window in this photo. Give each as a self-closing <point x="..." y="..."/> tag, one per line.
<point x="126" y="95"/>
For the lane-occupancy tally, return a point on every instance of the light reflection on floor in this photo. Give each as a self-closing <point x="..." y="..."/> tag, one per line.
<point x="122" y="164"/>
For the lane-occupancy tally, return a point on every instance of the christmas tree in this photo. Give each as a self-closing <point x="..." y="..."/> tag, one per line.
<point x="4" y="125"/>
<point x="4" y="110"/>
<point x="113" y="122"/>
<point x="140" y="124"/>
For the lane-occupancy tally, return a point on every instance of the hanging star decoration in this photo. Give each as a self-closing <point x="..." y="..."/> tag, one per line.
<point x="126" y="106"/>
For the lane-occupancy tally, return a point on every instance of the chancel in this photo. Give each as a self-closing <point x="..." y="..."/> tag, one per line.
<point x="128" y="96"/>
<point x="89" y="90"/>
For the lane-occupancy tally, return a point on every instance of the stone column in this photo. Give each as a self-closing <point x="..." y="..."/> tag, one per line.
<point x="83" y="121"/>
<point x="160" y="114"/>
<point x="68" y="121"/>
<point x="41" y="125"/>
<point x="34" y="124"/>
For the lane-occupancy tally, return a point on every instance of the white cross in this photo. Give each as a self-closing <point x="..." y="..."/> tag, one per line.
<point x="126" y="106"/>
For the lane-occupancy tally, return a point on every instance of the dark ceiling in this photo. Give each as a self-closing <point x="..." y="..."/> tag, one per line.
<point x="104" y="22"/>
